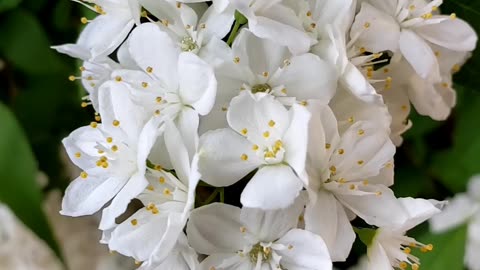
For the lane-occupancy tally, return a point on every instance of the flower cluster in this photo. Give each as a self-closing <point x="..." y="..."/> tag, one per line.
<point x="304" y="101"/>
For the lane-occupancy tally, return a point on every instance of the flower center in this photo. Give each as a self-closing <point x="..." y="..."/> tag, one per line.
<point x="259" y="252"/>
<point x="188" y="44"/>
<point x="264" y="88"/>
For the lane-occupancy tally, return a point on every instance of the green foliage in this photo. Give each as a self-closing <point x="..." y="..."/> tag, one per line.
<point x="18" y="172"/>
<point x="448" y="250"/>
<point x="8" y="4"/>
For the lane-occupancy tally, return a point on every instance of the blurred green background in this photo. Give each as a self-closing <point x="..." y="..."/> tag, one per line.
<point x="39" y="106"/>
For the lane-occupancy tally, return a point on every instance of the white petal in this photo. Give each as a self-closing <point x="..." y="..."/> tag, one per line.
<point x="159" y="53"/>
<point x="296" y="138"/>
<point x="436" y="102"/>
<point x="220" y="161"/>
<point x="198" y="85"/>
<point x="377" y="257"/>
<point x="382" y="33"/>
<point x="272" y="187"/>
<point x="474" y="187"/>
<point x="354" y="81"/>
<point x="178" y="152"/>
<point x="215" y="51"/>
<point x="105" y="33"/>
<point x="253" y="116"/>
<point x="418" y="210"/>
<point x="217" y="24"/>
<point x="87" y="196"/>
<point x="327" y="218"/>
<point x="366" y="207"/>
<point x="135" y="185"/>
<point x="230" y="261"/>
<point x="453" y="34"/>
<point x="74" y="50"/>
<point x="260" y="55"/>
<point x="417" y="52"/>
<point x="268" y="226"/>
<point x="215" y="228"/>
<point x="318" y="81"/>
<point x="306" y="251"/>
<point x="457" y="212"/>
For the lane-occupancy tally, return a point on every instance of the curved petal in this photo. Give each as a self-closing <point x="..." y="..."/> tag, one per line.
<point x="327" y="218"/>
<point x="197" y="83"/>
<point x="377" y="257"/>
<point x="230" y="261"/>
<point x="457" y="212"/>
<point x="220" y="157"/>
<point x="215" y="228"/>
<point x="417" y="52"/>
<point x="453" y="34"/>
<point x="85" y="196"/>
<point x="296" y="138"/>
<point x="272" y="187"/>
<point x="418" y="210"/>
<point x="305" y="251"/>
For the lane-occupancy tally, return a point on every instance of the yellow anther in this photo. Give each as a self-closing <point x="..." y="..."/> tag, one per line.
<point x="179" y="5"/>
<point x="103" y="159"/>
<point x="144" y="14"/>
<point x="116" y="123"/>
<point x="158" y="99"/>
<point x="98" y="118"/>
<point x="255" y="147"/>
<point x="82" y="68"/>
<point x="333" y="168"/>
<point x="427" y="16"/>
<point x="265" y="74"/>
<point x="351" y="119"/>
<point x="445" y="85"/>
<point x="93" y="124"/>
<point x="236" y="60"/>
<point x="243" y="229"/>
<point x="155" y="211"/>
<point x="453" y="16"/>
<point x="389" y="165"/>
<point x="437" y="53"/>
<point x="244" y="131"/>
<point x="342" y="180"/>
<point x="84" y="175"/>
<point x="158" y="167"/>
<point x="412" y="7"/>
<point x="360" y="162"/>
<point x="286" y="62"/>
<point x="404" y="107"/>
<point x="134" y="222"/>
<point x="407" y="250"/>
<point x="328" y="146"/>
<point x="149" y="69"/>
<point x="144" y="84"/>
<point x="212" y="268"/>
<point x="105" y="165"/>
<point x="109" y="139"/>
<point x="151" y="188"/>
<point x="266" y="134"/>
<point x="84" y="104"/>
<point x="78" y="154"/>
<point x="309" y="13"/>
<point x="84" y="20"/>
<point x="118" y="78"/>
<point x="284" y="91"/>
<point x="137" y="262"/>
<point x="415" y="266"/>
<point x="352" y="187"/>
<point x="100" y="151"/>
<point x="378" y="193"/>
<point x="157" y="112"/>
<point x="301" y="218"/>
<point x="114" y="148"/>
<point x="341" y="151"/>
<point x="366" y="25"/>
<point x="304" y="103"/>
<point x="188" y="26"/>
<point x="278" y="145"/>
<point x="224" y="109"/>
<point x="403" y="265"/>
<point x="386" y="70"/>
<point x="203" y="26"/>
<point x="99" y="9"/>
<point x="72" y="78"/>
<point x="271" y="123"/>
<point x="244" y="157"/>
<point x="89" y="78"/>
<point x="313" y="25"/>
<point x="361" y="132"/>
<point x="434" y="8"/>
<point x="165" y="22"/>
<point x="167" y="192"/>
<point x="456" y="68"/>
<point x="365" y="182"/>
<point x="290" y="247"/>
<point x="161" y="180"/>
<point x="429" y="247"/>
<point x="362" y="50"/>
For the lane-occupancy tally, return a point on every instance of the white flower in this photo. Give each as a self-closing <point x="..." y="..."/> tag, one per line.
<point x="182" y="257"/>
<point x="348" y="175"/>
<point x="262" y="66"/>
<point x="391" y="248"/>
<point x="263" y="135"/>
<point x="170" y="83"/>
<point x="113" y="156"/>
<point x="405" y="27"/>
<point x="200" y="36"/>
<point x="220" y="5"/>
<point x="463" y="208"/>
<point x="168" y="200"/>
<point x="275" y="21"/>
<point x="252" y="239"/>
<point x="107" y="31"/>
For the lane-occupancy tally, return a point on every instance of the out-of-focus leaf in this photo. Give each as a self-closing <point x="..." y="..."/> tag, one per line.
<point x="468" y="10"/>
<point x="422" y="125"/>
<point x="35" y="5"/>
<point x="25" y="44"/>
<point x="409" y="181"/>
<point x="63" y="15"/>
<point x="8" y="4"/>
<point x="448" y="250"/>
<point x="18" y="170"/>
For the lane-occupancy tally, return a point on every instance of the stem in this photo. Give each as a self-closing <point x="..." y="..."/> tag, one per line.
<point x="222" y="195"/>
<point x="211" y="197"/>
<point x="234" y="33"/>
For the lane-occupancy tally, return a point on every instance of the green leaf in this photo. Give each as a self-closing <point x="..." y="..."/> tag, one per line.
<point x="366" y="235"/>
<point x="25" y="44"/>
<point x="8" y="4"/>
<point x="17" y="178"/>
<point x="448" y="251"/>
